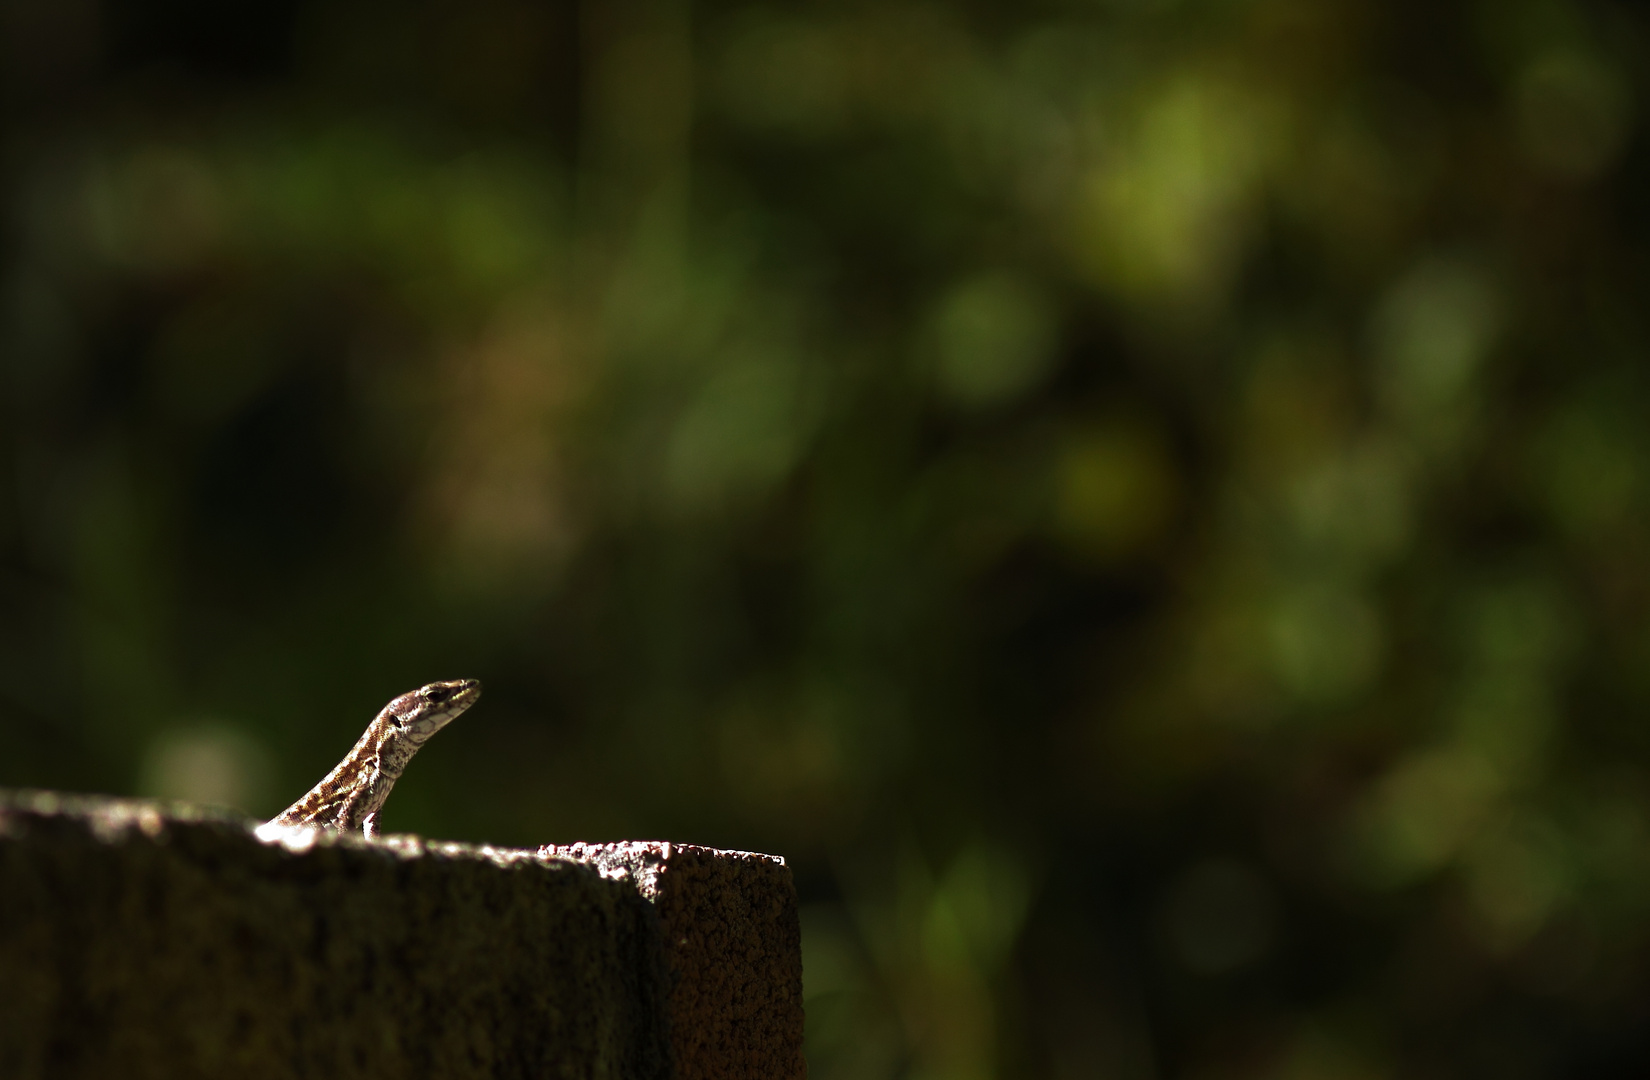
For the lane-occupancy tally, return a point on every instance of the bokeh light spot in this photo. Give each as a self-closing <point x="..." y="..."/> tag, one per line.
<point x="1326" y="641"/>
<point x="740" y="433"/>
<point x="788" y="75"/>
<point x="1423" y="813"/>
<point x="996" y="336"/>
<point x="1116" y="489"/>
<point x="212" y="764"/>
<point x="160" y="209"/>
<point x="1573" y="113"/>
<point x="1517" y="874"/>
<point x="1169" y="208"/>
<point x="1430" y="334"/>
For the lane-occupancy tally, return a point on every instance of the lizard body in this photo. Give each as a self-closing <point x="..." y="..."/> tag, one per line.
<point x="351" y="795"/>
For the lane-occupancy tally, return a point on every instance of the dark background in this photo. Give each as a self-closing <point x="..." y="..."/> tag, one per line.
<point x="1145" y="504"/>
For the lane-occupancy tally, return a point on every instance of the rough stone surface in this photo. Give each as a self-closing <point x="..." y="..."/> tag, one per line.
<point x="141" y="942"/>
<point x="733" y="944"/>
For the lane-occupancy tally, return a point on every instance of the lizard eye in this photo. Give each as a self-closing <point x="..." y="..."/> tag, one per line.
<point x="436" y="695"/>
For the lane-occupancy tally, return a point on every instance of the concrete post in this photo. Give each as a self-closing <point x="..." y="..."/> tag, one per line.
<point x="141" y="941"/>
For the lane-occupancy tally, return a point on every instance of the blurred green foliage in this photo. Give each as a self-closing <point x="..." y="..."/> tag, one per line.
<point x="1142" y="502"/>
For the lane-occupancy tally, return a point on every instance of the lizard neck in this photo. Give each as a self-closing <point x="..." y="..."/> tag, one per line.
<point x="357" y="787"/>
<point x="392" y="748"/>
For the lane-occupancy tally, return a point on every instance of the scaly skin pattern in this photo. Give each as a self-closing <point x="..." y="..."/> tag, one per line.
<point x="352" y="794"/>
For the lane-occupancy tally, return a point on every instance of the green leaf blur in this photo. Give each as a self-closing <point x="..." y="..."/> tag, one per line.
<point x="1140" y="501"/>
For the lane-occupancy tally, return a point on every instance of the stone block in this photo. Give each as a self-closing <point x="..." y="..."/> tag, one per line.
<point x="733" y="945"/>
<point x="140" y="940"/>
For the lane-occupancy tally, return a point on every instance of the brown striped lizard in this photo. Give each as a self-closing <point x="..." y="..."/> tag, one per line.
<point x="351" y="795"/>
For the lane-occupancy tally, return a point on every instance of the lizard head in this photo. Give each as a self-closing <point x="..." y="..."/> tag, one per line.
<point x="425" y="711"/>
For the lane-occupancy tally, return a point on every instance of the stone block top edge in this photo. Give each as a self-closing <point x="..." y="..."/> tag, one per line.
<point x="647" y="863"/>
<point x="110" y="817"/>
<point x="660" y="849"/>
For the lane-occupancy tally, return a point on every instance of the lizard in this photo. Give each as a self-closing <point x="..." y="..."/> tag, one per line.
<point x="352" y="794"/>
